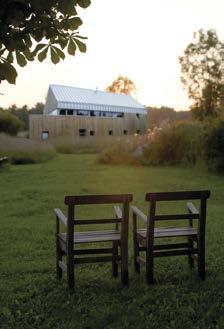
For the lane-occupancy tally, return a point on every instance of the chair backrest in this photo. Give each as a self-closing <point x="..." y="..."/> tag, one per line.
<point x="202" y="196"/>
<point x="73" y="201"/>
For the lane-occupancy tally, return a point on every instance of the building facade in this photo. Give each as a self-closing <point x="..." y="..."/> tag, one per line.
<point x="76" y="112"/>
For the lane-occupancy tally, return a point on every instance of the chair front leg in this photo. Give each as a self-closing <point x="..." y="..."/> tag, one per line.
<point x="58" y="258"/>
<point x="136" y="244"/>
<point x="114" y="262"/>
<point x="124" y="265"/>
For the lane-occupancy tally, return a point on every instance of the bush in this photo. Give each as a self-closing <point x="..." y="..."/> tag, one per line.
<point x="214" y="146"/>
<point x="23" y="151"/>
<point x="180" y="143"/>
<point x="9" y="123"/>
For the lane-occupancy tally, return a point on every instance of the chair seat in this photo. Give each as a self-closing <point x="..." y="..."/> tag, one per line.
<point x="170" y="232"/>
<point x="93" y="236"/>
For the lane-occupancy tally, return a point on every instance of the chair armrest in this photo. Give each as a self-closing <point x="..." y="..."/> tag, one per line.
<point x="59" y="214"/>
<point x="192" y="209"/>
<point x="139" y="213"/>
<point x="118" y="212"/>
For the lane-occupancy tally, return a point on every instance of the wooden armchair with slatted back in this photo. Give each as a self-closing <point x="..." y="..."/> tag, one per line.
<point x="194" y="236"/>
<point x="66" y="243"/>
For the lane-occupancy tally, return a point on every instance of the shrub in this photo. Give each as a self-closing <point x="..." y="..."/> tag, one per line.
<point x="9" y="123"/>
<point x="23" y="151"/>
<point x="179" y="143"/>
<point x="214" y="146"/>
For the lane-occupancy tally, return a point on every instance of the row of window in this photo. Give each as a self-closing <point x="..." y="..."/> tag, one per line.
<point x="92" y="113"/>
<point x="83" y="132"/>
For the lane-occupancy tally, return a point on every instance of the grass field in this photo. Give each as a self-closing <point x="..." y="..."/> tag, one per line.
<point x="30" y="296"/>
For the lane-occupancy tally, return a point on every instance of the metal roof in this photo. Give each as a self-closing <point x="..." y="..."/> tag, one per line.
<point x="86" y="99"/>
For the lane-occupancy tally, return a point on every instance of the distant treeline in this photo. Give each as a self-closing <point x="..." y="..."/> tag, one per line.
<point x="22" y="113"/>
<point x="160" y="117"/>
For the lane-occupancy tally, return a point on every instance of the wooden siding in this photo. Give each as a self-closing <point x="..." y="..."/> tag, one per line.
<point x="70" y="125"/>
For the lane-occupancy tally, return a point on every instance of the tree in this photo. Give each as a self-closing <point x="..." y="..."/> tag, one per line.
<point x="34" y="28"/>
<point x="202" y="73"/>
<point x="9" y="123"/>
<point x="122" y="85"/>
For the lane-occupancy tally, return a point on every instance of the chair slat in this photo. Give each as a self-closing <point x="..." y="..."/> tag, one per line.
<point x="97" y="199"/>
<point x="181" y="195"/>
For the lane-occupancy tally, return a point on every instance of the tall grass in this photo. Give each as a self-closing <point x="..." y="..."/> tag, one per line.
<point x="23" y="151"/>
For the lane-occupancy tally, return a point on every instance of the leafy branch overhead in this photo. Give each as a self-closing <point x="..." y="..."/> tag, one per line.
<point x="35" y="29"/>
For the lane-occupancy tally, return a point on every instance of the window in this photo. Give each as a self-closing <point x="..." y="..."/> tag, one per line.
<point x="82" y="132"/>
<point x="110" y="132"/>
<point x="70" y="112"/>
<point x="92" y="133"/>
<point x="138" y="115"/>
<point x="92" y="113"/>
<point x="120" y="115"/>
<point x="62" y="112"/>
<point x="82" y="112"/>
<point x="45" y="135"/>
<point x="125" y="132"/>
<point x="138" y="132"/>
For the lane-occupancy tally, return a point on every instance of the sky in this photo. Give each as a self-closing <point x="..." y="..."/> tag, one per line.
<point x="139" y="39"/>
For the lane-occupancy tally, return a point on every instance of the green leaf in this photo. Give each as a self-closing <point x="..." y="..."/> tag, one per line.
<point x="81" y="45"/>
<point x="8" y="72"/>
<point x="59" y="52"/>
<point x="74" y="23"/>
<point x="10" y="57"/>
<point x="84" y="3"/>
<point x="54" y="56"/>
<point x="68" y="7"/>
<point x="38" y="48"/>
<point x="42" y="55"/>
<point x="21" y="60"/>
<point x="71" y="47"/>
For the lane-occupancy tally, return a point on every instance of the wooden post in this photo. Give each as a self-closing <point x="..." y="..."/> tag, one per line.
<point x="150" y="241"/>
<point x="136" y="246"/>
<point x="124" y="244"/>
<point x="201" y="238"/>
<point x="70" y="246"/>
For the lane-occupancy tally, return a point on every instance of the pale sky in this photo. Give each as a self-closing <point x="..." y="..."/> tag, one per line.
<point x="139" y="39"/>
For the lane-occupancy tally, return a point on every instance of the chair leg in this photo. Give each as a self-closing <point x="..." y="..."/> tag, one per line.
<point x="201" y="260"/>
<point x="124" y="266"/>
<point x="114" y="262"/>
<point x="149" y="268"/>
<point x="136" y="254"/>
<point x="190" y="247"/>
<point x="70" y="272"/>
<point x="58" y="258"/>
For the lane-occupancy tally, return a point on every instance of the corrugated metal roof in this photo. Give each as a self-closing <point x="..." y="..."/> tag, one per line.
<point x="87" y="99"/>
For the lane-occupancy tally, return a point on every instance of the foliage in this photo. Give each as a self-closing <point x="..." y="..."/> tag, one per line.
<point x="202" y="73"/>
<point x="9" y="123"/>
<point x="214" y="146"/>
<point x="161" y="117"/>
<point x="24" y="151"/>
<point x="32" y="29"/>
<point x="122" y="85"/>
<point x="177" y="144"/>
<point x="32" y="298"/>
<point x="22" y="113"/>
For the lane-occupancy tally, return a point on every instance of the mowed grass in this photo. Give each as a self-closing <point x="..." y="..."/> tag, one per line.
<point x="30" y="296"/>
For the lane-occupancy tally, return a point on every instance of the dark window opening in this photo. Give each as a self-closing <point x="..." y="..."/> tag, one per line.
<point x="110" y="132"/>
<point x="81" y="112"/>
<point x="62" y="112"/>
<point x="125" y="132"/>
<point x="70" y="112"/>
<point x="138" y="115"/>
<point x="92" y="113"/>
<point x="45" y="135"/>
<point x="138" y="132"/>
<point x="82" y="132"/>
<point x="92" y="132"/>
<point x="120" y="115"/>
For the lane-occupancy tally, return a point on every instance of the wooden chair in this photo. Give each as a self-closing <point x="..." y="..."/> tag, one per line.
<point x="194" y="244"/>
<point x="118" y="237"/>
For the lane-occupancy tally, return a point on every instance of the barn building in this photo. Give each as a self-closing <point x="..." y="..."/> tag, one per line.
<point x="73" y="112"/>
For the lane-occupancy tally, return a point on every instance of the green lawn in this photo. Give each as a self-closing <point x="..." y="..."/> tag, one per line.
<point x="30" y="296"/>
